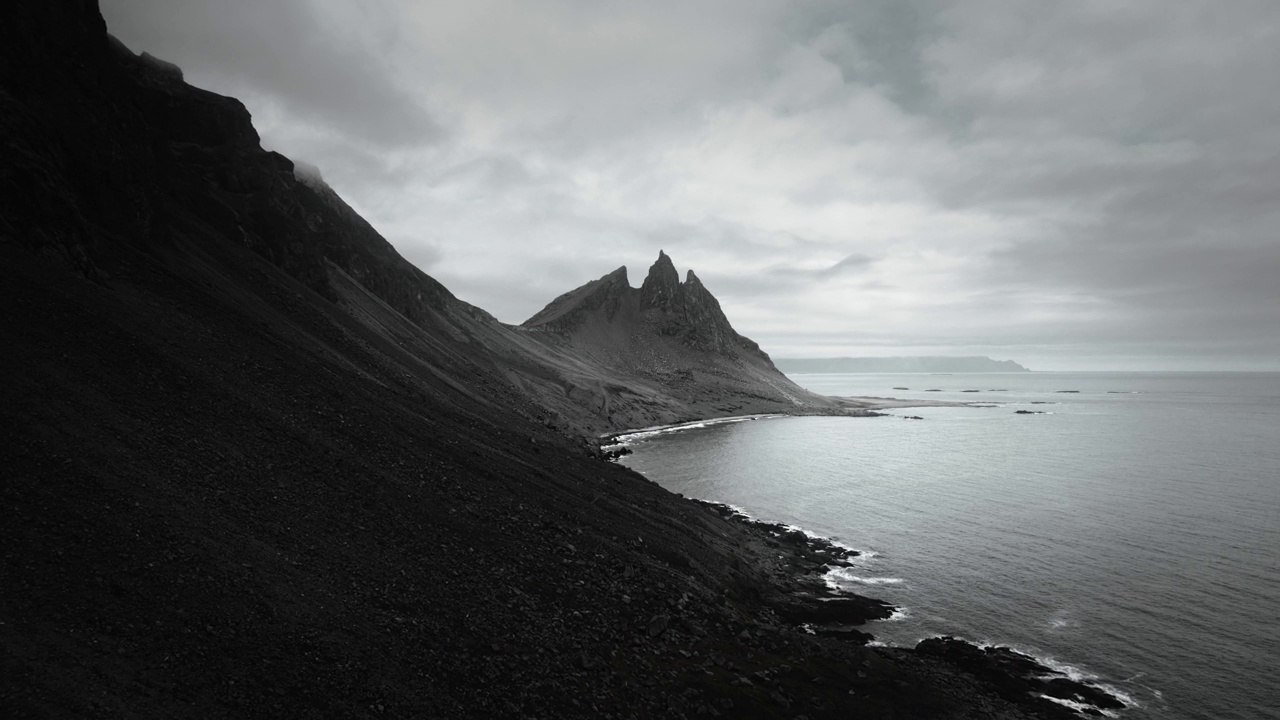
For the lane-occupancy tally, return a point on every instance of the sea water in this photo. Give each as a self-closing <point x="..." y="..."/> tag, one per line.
<point x="1129" y="533"/>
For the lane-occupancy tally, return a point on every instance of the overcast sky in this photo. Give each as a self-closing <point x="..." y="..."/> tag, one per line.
<point x="1091" y="184"/>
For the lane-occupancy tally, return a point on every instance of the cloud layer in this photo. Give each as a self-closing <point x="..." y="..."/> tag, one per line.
<point x="1075" y="185"/>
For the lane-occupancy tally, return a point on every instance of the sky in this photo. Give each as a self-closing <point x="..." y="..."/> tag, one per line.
<point x="1086" y="185"/>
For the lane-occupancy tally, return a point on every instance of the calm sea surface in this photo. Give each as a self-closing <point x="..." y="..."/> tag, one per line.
<point x="1131" y="533"/>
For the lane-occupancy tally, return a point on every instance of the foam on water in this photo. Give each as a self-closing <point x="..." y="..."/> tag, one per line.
<point x="1071" y="672"/>
<point x="842" y="574"/>
<point x="1061" y="621"/>
<point x="653" y="431"/>
<point x="1078" y="706"/>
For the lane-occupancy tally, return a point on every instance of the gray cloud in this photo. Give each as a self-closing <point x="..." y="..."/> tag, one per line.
<point x="1084" y="184"/>
<point x="287" y="52"/>
<point x="851" y="262"/>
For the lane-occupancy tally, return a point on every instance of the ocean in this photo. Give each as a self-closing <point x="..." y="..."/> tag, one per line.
<point x="1129" y="533"/>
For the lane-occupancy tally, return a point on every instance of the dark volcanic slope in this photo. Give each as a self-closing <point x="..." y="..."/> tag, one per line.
<point x="665" y="351"/>
<point x="255" y="465"/>
<point x="108" y="154"/>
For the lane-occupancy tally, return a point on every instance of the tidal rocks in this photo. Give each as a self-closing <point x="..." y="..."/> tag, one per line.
<point x="809" y="600"/>
<point x="844" y="633"/>
<point x="1018" y="677"/>
<point x="840" y="610"/>
<point x="614" y="452"/>
<point x="1068" y="689"/>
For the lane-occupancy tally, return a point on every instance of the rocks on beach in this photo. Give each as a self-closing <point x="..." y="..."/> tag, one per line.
<point x="1018" y="676"/>
<point x="808" y="600"/>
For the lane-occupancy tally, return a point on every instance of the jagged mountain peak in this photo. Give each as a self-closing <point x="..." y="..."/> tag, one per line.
<point x="661" y="288"/>
<point x="686" y="311"/>
<point x="618" y="275"/>
<point x="572" y="308"/>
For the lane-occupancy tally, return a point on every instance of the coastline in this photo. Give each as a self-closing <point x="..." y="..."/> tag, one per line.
<point x="797" y="564"/>
<point x="851" y="406"/>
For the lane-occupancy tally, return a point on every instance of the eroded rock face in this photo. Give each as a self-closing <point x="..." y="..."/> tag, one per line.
<point x="571" y="309"/>
<point x="686" y="311"/>
<point x="704" y="324"/>
<point x="661" y="289"/>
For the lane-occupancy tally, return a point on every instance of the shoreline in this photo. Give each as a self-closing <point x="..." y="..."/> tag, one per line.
<point x="852" y="406"/>
<point x="802" y="562"/>
<point x="798" y="566"/>
<point x="817" y="608"/>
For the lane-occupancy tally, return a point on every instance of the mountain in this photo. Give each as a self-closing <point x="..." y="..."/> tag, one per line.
<point x="179" y="173"/>
<point x="940" y="364"/>
<point x="665" y="351"/>
<point x="257" y="465"/>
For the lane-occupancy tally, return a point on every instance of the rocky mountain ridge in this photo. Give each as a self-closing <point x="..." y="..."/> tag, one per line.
<point x="686" y="311"/>
<point x="667" y="351"/>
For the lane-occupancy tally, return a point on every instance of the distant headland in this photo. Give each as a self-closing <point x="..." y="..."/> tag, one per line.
<point x="929" y="364"/>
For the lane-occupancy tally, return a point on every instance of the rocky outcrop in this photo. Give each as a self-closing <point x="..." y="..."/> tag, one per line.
<point x="1019" y="677"/>
<point x="688" y="310"/>
<point x="661" y="289"/>
<point x="704" y="325"/>
<point x="685" y="311"/>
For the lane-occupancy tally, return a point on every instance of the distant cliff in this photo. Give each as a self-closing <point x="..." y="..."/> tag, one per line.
<point x="973" y="364"/>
